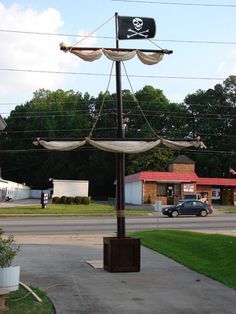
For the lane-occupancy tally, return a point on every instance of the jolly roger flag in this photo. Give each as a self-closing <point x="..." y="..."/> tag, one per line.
<point x="136" y="27"/>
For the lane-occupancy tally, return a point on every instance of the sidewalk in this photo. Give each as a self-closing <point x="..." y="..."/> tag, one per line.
<point x="61" y="266"/>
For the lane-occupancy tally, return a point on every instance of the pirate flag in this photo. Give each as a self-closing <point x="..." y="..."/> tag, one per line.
<point x="136" y="27"/>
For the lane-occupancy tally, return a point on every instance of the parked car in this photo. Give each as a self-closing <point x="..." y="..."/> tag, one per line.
<point x="190" y="207"/>
<point x="192" y="197"/>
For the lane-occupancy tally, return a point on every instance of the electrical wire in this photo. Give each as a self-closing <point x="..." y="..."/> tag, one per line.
<point x="184" y="115"/>
<point x="94" y="101"/>
<point x="104" y="74"/>
<point x="181" y="3"/>
<point x="187" y="41"/>
<point x="224" y="152"/>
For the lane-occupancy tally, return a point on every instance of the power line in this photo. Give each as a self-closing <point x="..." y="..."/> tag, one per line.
<point x="104" y="74"/>
<point x="56" y="130"/>
<point x="214" y="116"/>
<point x="97" y="102"/>
<point x="181" y="3"/>
<point x="103" y="129"/>
<point x="112" y="37"/>
<point x="222" y="152"/>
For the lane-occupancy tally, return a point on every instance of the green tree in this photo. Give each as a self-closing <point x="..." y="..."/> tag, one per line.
<point x="213" y="118"/>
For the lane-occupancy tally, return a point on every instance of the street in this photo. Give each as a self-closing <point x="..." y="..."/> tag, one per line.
<point x="76" y="225"/>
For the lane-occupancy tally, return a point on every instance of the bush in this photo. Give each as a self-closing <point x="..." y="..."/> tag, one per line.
<point x="85" y="200"/>
<point x="78" y="200"/>
<point x="70" y="200"/>
<point x="56" y="200"/>
<point x="63" y="200"/>
<point x="7" y="250"/>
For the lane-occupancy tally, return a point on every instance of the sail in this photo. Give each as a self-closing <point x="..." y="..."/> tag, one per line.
<point x="118" y="146"/>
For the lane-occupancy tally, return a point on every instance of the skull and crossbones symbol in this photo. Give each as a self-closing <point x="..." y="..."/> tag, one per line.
<point x="138" y="25"/>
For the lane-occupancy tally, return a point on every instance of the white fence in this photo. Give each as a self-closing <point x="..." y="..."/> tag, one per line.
<point x="13" y="190"/>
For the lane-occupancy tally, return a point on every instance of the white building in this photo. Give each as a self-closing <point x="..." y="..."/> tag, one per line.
<point x="70" y="188"/>
<point x="13" y="190"/>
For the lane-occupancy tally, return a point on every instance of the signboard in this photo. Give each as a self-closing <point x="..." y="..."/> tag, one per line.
<point x="215" y="194"/>
<point x="188" y="187"/>
<point x="44" y="199"/>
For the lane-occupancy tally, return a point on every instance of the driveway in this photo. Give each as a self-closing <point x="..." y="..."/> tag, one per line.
<point x="69" y="268"/>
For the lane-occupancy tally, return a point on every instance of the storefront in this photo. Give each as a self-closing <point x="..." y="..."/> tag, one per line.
<point x="147" y="187"/>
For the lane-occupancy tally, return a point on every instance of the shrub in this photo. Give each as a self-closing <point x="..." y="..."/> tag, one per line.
<point x="70" y="200"/>
<point x="56" y="200"/>
<point x="78" y="200"/>
<point x="63" y="199"/>
<point x="7" y="250"/>
<point x="85" y="200"/>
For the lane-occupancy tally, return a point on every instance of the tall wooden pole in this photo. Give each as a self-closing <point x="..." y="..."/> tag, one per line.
<point x="120" y="157"/>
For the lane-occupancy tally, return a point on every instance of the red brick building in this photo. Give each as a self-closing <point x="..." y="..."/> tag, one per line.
<point x="169" y="187"/>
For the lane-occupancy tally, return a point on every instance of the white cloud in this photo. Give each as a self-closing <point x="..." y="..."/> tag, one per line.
<point x="221" y="66"/>
<point x="31" y="51"/>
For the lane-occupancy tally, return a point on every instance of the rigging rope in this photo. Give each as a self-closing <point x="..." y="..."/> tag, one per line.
<point x="154" y="44"/>
<point x="103" y="101"/>
<point x="136" y="100"/>
<point x="89" y="35"/>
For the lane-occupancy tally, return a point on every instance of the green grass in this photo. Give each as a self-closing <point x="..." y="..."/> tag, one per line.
<point x="228" y="209"/>
<point x="21" y="302"/>
<point x="213" y="255"/>
<point x="92" y="209"/>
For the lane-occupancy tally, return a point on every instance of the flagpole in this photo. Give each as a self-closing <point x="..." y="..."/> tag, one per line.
<point x="120" y="158"/>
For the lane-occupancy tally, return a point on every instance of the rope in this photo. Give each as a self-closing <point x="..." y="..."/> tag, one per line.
<point x="136" y="100"/>
<point x="103" y="101"/>
<point x="89" y="35"/>
<point x="155" y="44"/>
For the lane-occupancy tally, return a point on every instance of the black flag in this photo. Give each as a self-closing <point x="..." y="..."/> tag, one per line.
<point x="136" y="27"/>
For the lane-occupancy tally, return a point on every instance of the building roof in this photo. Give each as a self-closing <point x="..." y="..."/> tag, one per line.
<point x="162" y="176"/>
<point x="178" y="177"/>
<point x="182" y="159"/>
<point x="216" y="181"/>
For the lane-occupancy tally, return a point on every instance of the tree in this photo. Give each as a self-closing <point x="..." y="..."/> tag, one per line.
<point x="68" y="114"/>
<point x="154" y="160"/>
<point x="213" y="113"/>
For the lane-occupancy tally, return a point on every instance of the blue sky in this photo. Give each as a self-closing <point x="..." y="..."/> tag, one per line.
<point x="175" y="24"/>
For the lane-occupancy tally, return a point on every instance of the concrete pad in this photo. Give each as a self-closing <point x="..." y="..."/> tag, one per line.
<point x="161" y="287"/>
<point x="95" y="263"/>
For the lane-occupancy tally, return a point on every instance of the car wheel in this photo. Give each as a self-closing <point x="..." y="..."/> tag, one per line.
<point x="174" y="213"/>
<point x="203" y="213"/>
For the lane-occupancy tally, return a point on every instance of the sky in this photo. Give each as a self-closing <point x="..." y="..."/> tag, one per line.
<point x="200" y="33"/>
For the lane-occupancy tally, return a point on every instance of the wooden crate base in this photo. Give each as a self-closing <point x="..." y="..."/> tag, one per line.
<point x="121" y="254"/>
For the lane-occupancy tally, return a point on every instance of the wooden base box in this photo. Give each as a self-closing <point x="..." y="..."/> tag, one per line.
<point x="121" y="254"/>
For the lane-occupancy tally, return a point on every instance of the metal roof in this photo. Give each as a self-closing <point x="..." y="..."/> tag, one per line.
<point x="178" y="177"/>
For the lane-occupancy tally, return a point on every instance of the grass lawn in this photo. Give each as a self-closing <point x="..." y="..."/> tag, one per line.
<point x="228" y="209"/>
<point x="21" y="302"/>
<point x="213" y="255"/>
<point x="92" y="209"/>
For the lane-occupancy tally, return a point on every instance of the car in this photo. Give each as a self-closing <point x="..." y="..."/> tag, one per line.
<point x="190" y="207"/>
<point x="192" y="197"/>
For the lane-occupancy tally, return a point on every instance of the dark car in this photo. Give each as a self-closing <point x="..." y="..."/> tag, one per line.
<point x="188" y="208"/>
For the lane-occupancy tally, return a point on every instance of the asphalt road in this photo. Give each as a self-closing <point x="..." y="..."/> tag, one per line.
<point x="72" y="225"/>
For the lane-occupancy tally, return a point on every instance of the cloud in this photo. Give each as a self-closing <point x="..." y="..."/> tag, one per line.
<point x="24" y="51"/>
<point x="227" y="66"/>
<point x="221" y="66"/>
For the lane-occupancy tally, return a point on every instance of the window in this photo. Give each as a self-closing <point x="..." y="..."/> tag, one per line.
<point x="188" y="187"/>
<point x="161" y="189"/>
<point x="177" y="190"/>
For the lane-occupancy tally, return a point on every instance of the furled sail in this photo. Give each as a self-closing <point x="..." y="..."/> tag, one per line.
<point x="116" y="146"/>
<point x="115" y="55"/>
